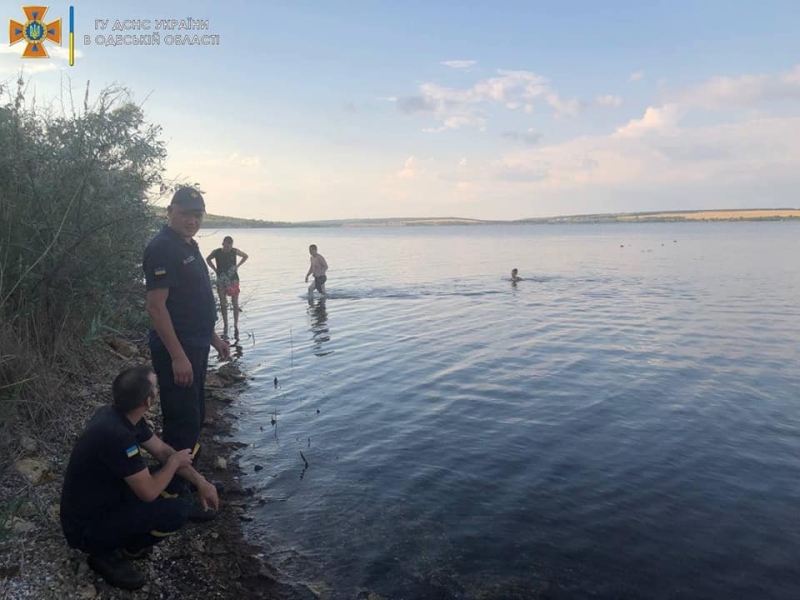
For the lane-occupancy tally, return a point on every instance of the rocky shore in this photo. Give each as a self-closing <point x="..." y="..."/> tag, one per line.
<point x="208" y="560"/>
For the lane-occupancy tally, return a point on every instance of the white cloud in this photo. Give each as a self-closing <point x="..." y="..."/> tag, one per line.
<point x="745" y="91"/>
<point x="636" y="76"/>
<point x="608" y="100"/>
<point x="654" y="162"/>
<point x="754" y="163"/>
<point x="62" y="53"/>
<point x="564" y="107"/>
<point x="463" y="107"/>
<point x="463" y="120"/>
<point x="11" y="61"/>
<point x="460" y="64"/>
<point x="663" y="158"/>
<point x="250" y="187"/>
<point x="511" y="85"/>
<point x="55" y="52"/>
<point x="245" y="161"/>
<point x="656" y="119"/>
<point x="651" y="154"/>
<point x="410" y="170"/>
<point x="27" y="69"/>
<point x="216" y="160"/>
<point x="726" y="158"/>
<point x="529" y="136"/>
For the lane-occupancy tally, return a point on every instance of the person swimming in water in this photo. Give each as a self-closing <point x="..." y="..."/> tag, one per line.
<point x="514" y="277"/>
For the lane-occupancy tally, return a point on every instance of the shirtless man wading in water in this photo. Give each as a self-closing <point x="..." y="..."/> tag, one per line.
<point x="318" y="268"/>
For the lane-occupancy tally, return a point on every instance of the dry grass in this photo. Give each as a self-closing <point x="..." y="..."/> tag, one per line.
<point x="43" y="385"/>
<point x="719" y="215"/>
<point x="28" y="393"/>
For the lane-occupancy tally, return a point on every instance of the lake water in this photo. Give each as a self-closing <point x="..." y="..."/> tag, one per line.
<point x="624" y="423"/>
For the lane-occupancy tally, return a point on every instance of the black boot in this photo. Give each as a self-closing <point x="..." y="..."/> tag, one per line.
<point x="116" y="570"/>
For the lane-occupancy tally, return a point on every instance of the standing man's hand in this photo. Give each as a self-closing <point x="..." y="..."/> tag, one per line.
<point x="222" y="347"/>
<point x="180" y="458"/>
<point x="182" y="371"/>
<point x="306" y="278"/>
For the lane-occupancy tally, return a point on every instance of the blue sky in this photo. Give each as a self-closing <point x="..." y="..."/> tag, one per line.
<point x="328" y="110"/>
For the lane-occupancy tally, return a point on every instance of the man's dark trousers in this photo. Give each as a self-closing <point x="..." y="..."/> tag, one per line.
<point x="183" y="408"/>
<point x="133" y="526"/>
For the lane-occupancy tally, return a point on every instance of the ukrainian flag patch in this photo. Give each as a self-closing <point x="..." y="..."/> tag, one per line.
<point x="132" y="451"/>
<point x="160" y="271"/>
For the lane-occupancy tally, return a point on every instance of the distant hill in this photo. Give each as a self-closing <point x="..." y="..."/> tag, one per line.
<point x="400" y="222"/>
<point x="224" y="222"/>
<point x="753" y="214"/>
<point x="750" y="214"/>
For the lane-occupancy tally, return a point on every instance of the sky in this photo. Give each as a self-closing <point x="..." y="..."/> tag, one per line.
<point x="490" y="110"/>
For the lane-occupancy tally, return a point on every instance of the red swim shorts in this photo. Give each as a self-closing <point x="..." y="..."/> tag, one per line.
<point x="233" y="290"/>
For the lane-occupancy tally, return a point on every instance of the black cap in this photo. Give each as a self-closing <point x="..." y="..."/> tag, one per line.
<point x="189" y="198"/>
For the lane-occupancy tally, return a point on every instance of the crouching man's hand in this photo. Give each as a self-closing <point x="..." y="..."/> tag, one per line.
<point x="208" y="495"/>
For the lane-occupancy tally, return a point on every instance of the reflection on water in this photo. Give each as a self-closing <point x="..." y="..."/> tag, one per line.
<point x="320" y="333"/>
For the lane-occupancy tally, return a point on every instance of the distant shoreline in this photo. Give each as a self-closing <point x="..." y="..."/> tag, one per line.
<point x="754" y="214"/>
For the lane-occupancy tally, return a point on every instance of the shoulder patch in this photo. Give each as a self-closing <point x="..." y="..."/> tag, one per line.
<point x="132" y="451"/>
<point x="160" y="271"/>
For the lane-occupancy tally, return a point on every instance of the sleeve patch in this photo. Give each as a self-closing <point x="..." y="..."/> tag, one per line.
<point x="132" y="451"/>
<point x="159" y="271"/>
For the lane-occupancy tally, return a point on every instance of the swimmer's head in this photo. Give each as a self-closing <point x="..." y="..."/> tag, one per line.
<point x="513" y="272"/>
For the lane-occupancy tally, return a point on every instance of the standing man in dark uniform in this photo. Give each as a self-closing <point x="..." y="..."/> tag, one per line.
<point x="180" y="303"/>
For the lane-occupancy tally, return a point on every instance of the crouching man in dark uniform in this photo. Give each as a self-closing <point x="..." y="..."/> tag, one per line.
<point x="111" y="504"/>
<point x="181" y="305"/>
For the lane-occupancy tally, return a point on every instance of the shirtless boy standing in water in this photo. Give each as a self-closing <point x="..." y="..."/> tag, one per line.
<point x="318" y="268"/>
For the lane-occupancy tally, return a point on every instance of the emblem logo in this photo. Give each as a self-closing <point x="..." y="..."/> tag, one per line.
<point x="35" y="32"/>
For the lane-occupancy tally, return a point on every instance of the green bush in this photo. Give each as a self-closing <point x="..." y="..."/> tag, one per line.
<point x="76" y="187"/>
